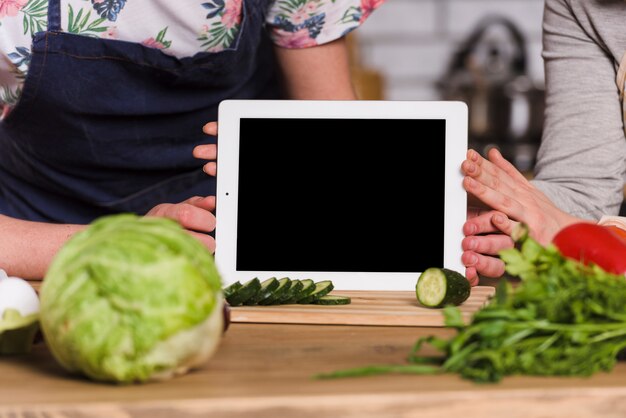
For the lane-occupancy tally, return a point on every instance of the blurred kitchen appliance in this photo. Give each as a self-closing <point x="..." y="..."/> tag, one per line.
<point x="489" y="72"/>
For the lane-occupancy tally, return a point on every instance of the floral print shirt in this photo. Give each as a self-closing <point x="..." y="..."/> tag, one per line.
<point x="180" y="28"/>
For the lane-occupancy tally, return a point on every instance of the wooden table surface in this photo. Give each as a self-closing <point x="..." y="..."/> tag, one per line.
<point x="264" y="370"/>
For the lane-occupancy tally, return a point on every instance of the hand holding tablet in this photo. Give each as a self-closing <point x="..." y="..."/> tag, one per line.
<point x="366" y="194"/>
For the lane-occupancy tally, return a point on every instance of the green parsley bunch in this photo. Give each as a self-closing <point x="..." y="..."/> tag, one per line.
<point x="562" y="319"/>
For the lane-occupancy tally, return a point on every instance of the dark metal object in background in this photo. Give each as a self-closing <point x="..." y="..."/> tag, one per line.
<point x="489" y="73"/>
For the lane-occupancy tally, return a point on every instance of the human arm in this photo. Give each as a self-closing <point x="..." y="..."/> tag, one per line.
<point x="27" y="248"/>
<point x="498" y="185"/>
<point x="581" y="162"/>
<point x="582" y="159"/>
<point x="309" y="39"/>
<point x="319" y="72"/>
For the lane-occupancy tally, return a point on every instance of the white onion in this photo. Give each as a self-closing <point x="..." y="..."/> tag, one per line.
<point x="16" y="293"/>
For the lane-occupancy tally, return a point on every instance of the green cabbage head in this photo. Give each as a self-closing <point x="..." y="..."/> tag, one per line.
<point x="132" y="299"/>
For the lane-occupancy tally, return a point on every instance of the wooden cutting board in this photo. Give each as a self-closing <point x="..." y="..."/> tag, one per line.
<point x="390" y="308"/>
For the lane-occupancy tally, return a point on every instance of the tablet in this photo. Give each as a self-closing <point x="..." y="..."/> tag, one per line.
<point x="367" y="194"/>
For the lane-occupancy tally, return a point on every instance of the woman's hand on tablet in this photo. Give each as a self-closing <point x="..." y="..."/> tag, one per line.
<point x="194" y="214"/>
<point x="208" y="151"/>
<point x="487" y="232"/>
<point x="499" y="185"/>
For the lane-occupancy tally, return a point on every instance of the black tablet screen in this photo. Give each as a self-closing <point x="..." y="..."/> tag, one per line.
<point x="349" y="195"/>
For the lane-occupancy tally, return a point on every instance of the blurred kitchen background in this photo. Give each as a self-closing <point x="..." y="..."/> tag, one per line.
<point x="484" y="52"/>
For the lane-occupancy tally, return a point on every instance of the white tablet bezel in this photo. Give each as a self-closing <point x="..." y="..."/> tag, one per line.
<point x="230" y="113"/>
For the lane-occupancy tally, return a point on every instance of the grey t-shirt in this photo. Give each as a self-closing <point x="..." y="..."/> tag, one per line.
<point x="582" y="159"/>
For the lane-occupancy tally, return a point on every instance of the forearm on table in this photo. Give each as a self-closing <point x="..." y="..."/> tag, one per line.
<point x="27" y="248"/>
<point x="317" y="73"/>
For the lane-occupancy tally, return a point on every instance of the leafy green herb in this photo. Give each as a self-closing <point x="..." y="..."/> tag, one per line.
<point x="563" y="319"/>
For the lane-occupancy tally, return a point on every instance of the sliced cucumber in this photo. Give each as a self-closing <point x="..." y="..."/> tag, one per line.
<point x="333" y="300"/>
<point x="321" y="289"/>
<point x="267" y="288"/>
<point x="232" y="289"/>
<point x="308" y="287"/>
<point x="247" y="291"/>
<point x="438" y="287"/>
<point x="273" y="291"/>
<point x="283" y="287"/>
<point x="294" y="289"/>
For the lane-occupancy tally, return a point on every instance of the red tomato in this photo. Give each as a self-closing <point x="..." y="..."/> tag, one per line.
<point x="591" y="243"/>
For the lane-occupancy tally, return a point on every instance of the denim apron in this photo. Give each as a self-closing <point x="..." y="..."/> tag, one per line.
<point x="106" y="126"/>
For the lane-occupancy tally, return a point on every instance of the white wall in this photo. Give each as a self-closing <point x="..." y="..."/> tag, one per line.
<point x="411" y="41"/>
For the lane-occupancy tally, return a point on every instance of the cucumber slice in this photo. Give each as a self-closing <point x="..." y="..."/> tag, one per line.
<point x="438" y="287"/>
<point x="294" y="288"/>
<point x="283" y="287"/>
<point x="308" y="287"/>
<point x="231" y="290"/>
<point x="321" y="289"/>
<point x="267" y="287"/>
<point x="273" y="291"/>
<point x="333" y="300"/>
<point x="247" y="291"/>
